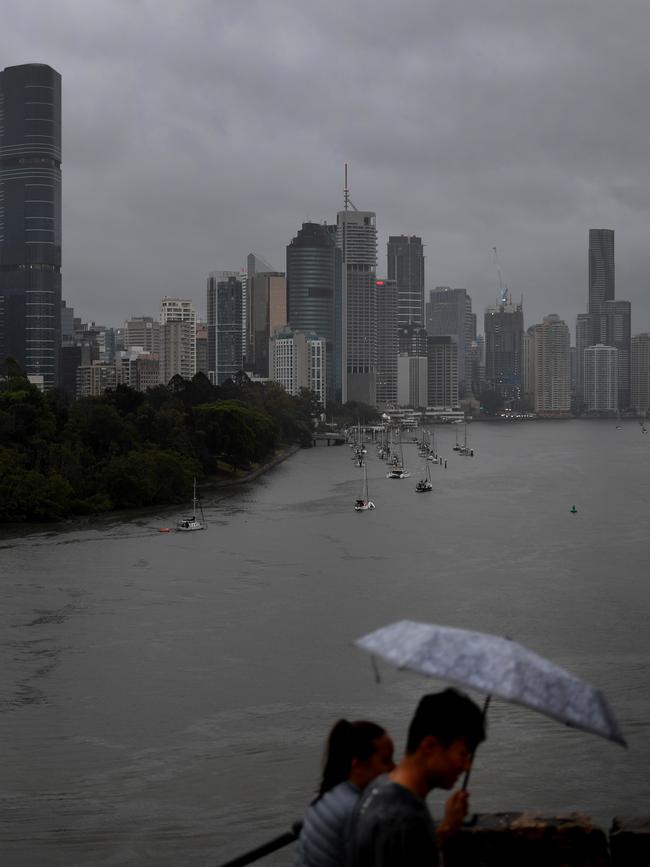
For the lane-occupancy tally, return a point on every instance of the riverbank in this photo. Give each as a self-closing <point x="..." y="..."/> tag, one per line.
<point x="8" y="531"/>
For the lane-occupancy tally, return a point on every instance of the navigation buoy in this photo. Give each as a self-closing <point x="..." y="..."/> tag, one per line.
<point x="573" y="510"/>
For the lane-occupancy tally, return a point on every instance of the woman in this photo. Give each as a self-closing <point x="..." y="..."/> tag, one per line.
<point x="356" y="753"/>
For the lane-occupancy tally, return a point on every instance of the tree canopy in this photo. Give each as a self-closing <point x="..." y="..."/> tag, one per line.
<point x="128" y="449"/>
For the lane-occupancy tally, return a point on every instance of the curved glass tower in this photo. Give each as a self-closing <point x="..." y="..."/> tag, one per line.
<point x="314" y="294"/>
<point x="30" y="219"/>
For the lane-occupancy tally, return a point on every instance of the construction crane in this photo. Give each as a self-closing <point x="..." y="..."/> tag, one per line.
<point x="503" y="290"/>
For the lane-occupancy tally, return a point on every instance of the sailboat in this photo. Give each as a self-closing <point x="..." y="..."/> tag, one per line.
<point x="397" y="469"/>
<point x="363" y="503"/>
<point x="644" y="429"/>
<point x="465" y="449"/>
<point x="618" y="420"/>
<point x="186" y="525"/>
<point x="424" y="485"/>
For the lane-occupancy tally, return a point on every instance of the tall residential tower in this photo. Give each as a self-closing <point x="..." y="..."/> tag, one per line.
<point x="30" y="219"/>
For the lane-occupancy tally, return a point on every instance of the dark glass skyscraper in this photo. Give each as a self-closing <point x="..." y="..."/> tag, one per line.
<point x="405" y="258"/>
<point x="30" y="219"/>
<point x="314" y="288"/>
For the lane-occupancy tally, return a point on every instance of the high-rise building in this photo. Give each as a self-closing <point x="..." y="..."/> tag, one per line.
<point x="412" y="388"/>
<point x="583" y="340"/>
<point x="297" y="360"/>
<point x="601" y="271"/>
<point x="504" y="327"/>
<point x="267" y="300"/>
<point x="449" y="313"/>
<point x="442" y="379"/>
<point x="412" y="340"/>
<point x="387" y="343"/>
<point x="640" y="373"/>
<point x="225" y="328"/>
<point x="177" y="339"/>
<point x="142" y="331"/>
<point x="315" y="294"/>
<point x="616" y="330"/>
<point x="30" y="219"/>
<point x="357" y="239"/>
<point x="601" y="379"/>
<point x="405" y="259"/>
<point x="547" y="367"/>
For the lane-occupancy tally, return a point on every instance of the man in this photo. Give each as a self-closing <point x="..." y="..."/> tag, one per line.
<point x="393" y="826"/>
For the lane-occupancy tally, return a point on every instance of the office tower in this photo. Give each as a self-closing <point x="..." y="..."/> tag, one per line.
<point x="142" y="331"/>
<point x="547" y="367"/>
<point x="442" y="374"/>
<point x="601" y="271"/>
<point x="267" y="299"/>
<point x="67" y="324"/>
<point x="405" y="258"/>
<point x="504" y="327"/>
<point x="225" y="325"/>
<point x="601" y="379"/>
<point x="476" y="364"/>
<point x="357" y="239"/>
<point x="412" y="387"/>
<point x="315" y="294"/>
<point x="254" y="265"/>
<point x="387" y="343"/>
<point x="449" y="313"/>
<point x="640" y="373"/>
<point x="177" y="339"/>
<point x="297" y="360"/>
<point x="583" y="340"/>
<point x="615" y="330"/>
<point x="412" y="340"/>
<point x="30" y="219"/>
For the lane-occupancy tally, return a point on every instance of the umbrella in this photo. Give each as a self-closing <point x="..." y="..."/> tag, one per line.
<point x="496" y="666"/>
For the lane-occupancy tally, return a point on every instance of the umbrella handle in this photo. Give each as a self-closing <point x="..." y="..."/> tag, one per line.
<point x="471" y="760"/>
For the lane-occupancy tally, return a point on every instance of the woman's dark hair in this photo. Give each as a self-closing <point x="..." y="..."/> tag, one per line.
<point x="347" y="741"/>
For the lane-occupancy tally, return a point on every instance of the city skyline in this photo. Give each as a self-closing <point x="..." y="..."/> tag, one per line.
<point x="517" y="126"/>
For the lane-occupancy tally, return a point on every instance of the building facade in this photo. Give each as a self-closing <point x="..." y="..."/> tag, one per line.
<point x="315" y="294"/>
<point x="615" y="322"/>
<point x="267" y="298"/>
<point x="602" y="275"/>
<point x="297" y="360"/>
<point x="30" y="219"/>
<point x="225" y="325"/>
<point x="442" y="372"/>
<point x="405" y="260"/>
<point x="547" y="367"/>
<point x="387" y="343"/>
<point x="357" y="240"/>
<point x="177" y="339"/>
<point x="504" y="328"/>
<point x="142" y="331"/>
<point x="601" y="379"/>
<point x="640" y="373"/>
<point x="449" y="313"/>
<point x="412" y="388"/>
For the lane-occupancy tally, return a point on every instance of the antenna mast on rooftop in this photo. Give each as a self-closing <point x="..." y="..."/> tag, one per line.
<point x="347" y="201"/>
<point x="503" y="290"/>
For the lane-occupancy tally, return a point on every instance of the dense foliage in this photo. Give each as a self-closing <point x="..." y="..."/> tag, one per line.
<point x="127" y="449"/>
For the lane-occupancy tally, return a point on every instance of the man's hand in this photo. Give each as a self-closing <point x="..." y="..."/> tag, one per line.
<point x="456" y="809"/>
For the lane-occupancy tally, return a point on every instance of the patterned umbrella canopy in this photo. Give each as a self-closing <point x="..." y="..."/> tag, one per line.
<point x="496" y="666"/>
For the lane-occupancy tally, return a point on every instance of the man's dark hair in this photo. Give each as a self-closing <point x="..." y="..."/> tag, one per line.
<point x="446" y="715"/>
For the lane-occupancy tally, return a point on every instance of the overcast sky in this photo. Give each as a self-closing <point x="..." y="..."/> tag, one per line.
<point x="197" y="131"/>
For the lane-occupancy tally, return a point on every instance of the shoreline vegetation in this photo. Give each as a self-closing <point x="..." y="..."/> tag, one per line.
<point x="66" y="461"/>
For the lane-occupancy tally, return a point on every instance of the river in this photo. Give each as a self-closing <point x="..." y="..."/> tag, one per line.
<point x="165" y="697"/>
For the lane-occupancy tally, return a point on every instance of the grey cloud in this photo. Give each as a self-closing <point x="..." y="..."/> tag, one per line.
<point x="197" y="131"/>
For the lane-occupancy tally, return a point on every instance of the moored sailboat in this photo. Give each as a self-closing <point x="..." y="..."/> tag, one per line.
<point x="363" y="503"/>
<point x="187" y="525"/>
